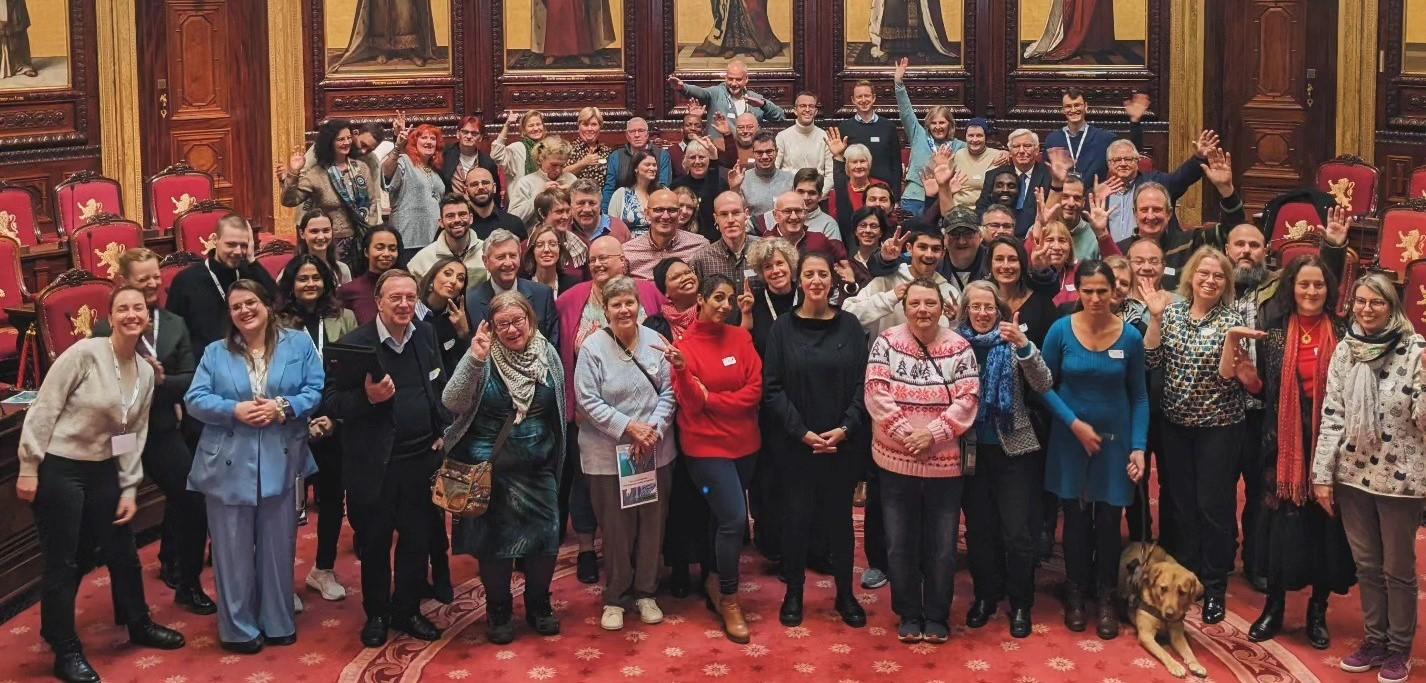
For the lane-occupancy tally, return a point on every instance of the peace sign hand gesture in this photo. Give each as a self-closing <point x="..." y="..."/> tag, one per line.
<point x="893" y="247"/>
<point x="398" y="125"/>
<point x="480" y="343"/>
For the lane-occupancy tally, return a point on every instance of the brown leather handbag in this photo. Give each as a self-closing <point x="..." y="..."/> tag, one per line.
<point x="462" y="488"/>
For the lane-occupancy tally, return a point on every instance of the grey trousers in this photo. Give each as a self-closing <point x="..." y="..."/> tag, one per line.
<point x="254" y="548"/>
<point x="633" y="538"/>
<point x="1382" y="532"/>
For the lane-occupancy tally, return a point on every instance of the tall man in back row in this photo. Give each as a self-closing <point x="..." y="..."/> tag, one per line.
<point x="729" y="98"/>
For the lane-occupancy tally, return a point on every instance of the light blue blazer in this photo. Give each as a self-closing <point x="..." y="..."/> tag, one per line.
<point x="237" y="464"/>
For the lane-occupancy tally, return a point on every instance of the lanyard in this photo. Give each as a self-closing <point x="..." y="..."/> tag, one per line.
<point x="221" y="294"/>
<point x="1074" y="151"/>
<point x="152" y="346"/>
<point x="320" y="339"/>
<point x="125" y="404"/>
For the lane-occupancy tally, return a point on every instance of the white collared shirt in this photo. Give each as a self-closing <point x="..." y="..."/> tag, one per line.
<point x="390" y="340"/>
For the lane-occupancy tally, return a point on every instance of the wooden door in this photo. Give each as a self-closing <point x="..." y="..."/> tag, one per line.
<point x="203" y="95"/>
<point x="1277" y="73"/>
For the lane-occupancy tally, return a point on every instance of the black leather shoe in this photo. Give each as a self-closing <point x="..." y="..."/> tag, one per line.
<point x="980" y="613"/>
<point x="1075" y="619"/>
<point x="168" y="573"/>
<point x="1213" y="609"/>
<point x="417" y="626"/>
<point x="373" y="633"/>
<point x="851" y="611"/>
<point x="499" y="625"/>
<point x="1316" y="629"/>
<point x="1020" y="624"/>
<point x="246" y="647"/>
<point x="149" y="634"/>
<point x="1107" y="626"/>
<point x="1269" y="623"/>
<point x="542" y="618"/>
<point x="791" y="612"/>
<point x="72" y="667"/>
<point x="587" y="569"/>
<point x="281" y="641"/>
<point x="193" y="599"/>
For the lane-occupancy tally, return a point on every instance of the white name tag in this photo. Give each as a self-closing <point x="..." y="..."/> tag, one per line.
<point x="729" y="361"/>
<point x="434" y="374"/>
<point x="122" y="444"/>
<point x="1170" y="271"/>
<point x="1024" y="327"/>
<point x="450" y="344"/>
<point x="876" y="139"/>
<point x="1069" y="287"/>
<point x="749" y="273"/>
<point x="1207" y="331"/>
<point x="1117" y="354"/>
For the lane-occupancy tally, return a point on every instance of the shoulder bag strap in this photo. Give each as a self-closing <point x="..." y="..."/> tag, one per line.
<point x="502" y="437"/>
<point x="934" y="367"/>
<point x="652" y="382"/>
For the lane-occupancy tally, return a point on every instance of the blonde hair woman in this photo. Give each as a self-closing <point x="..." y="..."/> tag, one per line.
<point x="590" y="155"/>
<point x="551" y="157"/>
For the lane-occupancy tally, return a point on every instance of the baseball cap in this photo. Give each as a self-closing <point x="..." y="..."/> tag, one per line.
<point x="960" y="218"/>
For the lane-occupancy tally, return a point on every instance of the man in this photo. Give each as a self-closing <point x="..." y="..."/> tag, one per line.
<point x="729" y="255"/>
<point x="1088" y="145"/>
<point x="740" y="153"/>
<point x="877" y="133"/>
<point x="502" y="262"/>
<point x="766" y="181"/>
<point x="804" y="143"/>
<point x="790" y="213"/>
<point x="879" y="196"/>
<point x="391" y="437"/>
<point x="730" y="98"/>
<point x="663" y="239"/>
<point x="807" y="183"/>
<point x="1030" y="176"/>
<point x="589" y="222"/>
<point x="482" y="189"/>
<point x="691" y="130"/>
<point x="1123" y="158"/>
<point x="465" y="155"/>
<point x="199" y="294"/>
<point x="966" y="257"/>
<point x="1154" y="218"/>
<point x="997" y="221"/>
<point x="878" y="305"/>
<point x="166" y="458"/>
<point x="636" y="135"/>
<point x="1088" y="243"/>
<point x="455" y="240"/>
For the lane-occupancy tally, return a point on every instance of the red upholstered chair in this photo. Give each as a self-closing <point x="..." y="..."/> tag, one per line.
<point x="19" y="213"/>
<point x="1295" y="220"/>
<point x="1416" y="188"/>
<point x="97" y="245"/>
<point x="84" y="195"/>
<point x="274" y="256"/>
<point x="1414" y="294"/>
<point x="68" y="309"/>
<point x="170" y="267"/>
<point x="1291" y="249"/>
<point x="1351" y="181"/>
<point x="12" y="293"/>
<point x="196" y="228"/>
<point x="174" y="190"/>
<point x="1402" y="237"/>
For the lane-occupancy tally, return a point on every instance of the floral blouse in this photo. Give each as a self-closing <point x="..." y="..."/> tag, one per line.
<point x="1195" y="395"/>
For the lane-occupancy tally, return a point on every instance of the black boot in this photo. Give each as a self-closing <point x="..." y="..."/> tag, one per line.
<point x="850" y="610"/>
<point x="1269" y="623"/>
<point x="1020" y="624"/>
<point x="500" y="624"/>
<point x="1316" y="629"/>
<point x="980" y="613"/>
<point x="791" y="612"/>
<point x="1213" y="609"/>
<point x="193" y="599"/>
<point x="71" y="666"/>
<point x="1075" y="619"/>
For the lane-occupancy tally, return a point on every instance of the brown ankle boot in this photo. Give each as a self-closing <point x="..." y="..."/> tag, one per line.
<point x="734" y="625"/>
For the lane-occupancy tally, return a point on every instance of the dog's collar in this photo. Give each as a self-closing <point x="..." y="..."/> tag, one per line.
<point x="1155" y="613"/>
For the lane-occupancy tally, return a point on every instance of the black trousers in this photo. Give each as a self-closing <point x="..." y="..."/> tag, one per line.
<point x="74" y="518"/>
<point x="817" y="491"/>
<point x="686" y="535"/>
<point x="765" y="501"/>
<point x="1092" y="545"/>
<point x="1250" y="469"/>
<point x="167" y="460"/>
<point x="873" y="520"/>
<point x="999" y="501"/>
<point x="495" y="573"/>
<point x="402" y="509"/>
<point x="1200" y="468"/>
<point x="331" y="498"/>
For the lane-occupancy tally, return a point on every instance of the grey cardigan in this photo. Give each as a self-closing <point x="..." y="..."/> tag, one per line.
<point x="610" y="392"/>
<point x="1021" y="438"/>
<point x="467" y="385"/>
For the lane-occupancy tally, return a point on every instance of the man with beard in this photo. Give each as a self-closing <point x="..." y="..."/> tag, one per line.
<point x="866" y="127"/>
<point x="804" y="143"/>
<point x="730" y="98"/>
<point x="455" y="241"/>
<point x="465" y="155"/>
<point x="740" y="152"/>
<point x="765" y="181"/>
<point x="1027" y="175"/>
<point x="588" y="222"/>
<point x="636" y="135"/>
<point x="199" y="293"/>
<point x="663" y="240"/>
<point x="482" y="189"/>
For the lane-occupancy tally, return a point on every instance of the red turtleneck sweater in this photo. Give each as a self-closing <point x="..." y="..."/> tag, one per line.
<point x="724" y="422"/>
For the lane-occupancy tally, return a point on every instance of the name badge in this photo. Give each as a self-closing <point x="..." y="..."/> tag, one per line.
<point x="1168" y="270"/>
<point x="1069" y="287"/>
<point x="434" y="374"/>
<point x="450" y="344"/>
<point x="749" y="273"/>
<point x="123" y="444"/>
<point x="1024" y="327"/>
<point x="875" y="139"/>
<point x="1207" y="331"/>
<point x="729" y="361"/>
<point x="1117" y="354"/>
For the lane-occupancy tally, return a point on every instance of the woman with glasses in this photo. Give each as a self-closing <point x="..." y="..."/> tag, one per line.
<point x="544" y="253"/>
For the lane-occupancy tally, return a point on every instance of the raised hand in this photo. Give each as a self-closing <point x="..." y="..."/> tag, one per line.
<point x="1110" y="187"/>
<point x="512" y="125"/>
<point x="694" y="106"/>
<point x="893" y="247"/>
<point x="1010" y="332"/>
<point x="844" y="271"/>
<point x="942" y="157"/>
<point x="836" y="142"/>
<point x="1238" y="333"/>
<point x="735" y="177"/>
<point x="1338" y="223"/>
<point x="1099" y="212"/>
<point x="480" y="343"/>
<point x="455" y="312"/>
<point x="943" y="175"/>
<point x="1040" y="257"/>
<point x="901" y="66"/>
<point x="398" y="125"/>
<point x="745" y="300"/>
<point x="676" y="83"/>
<point x="900" y="290"/>
<point x="929" y="183"/>
<point x="720" y="124"/>
<point x="1138" y="105"/>
<point x="1158" y="302"/>
<point x="1207" y="141"/>
<point x="1060" y="164"/>
<point x="672" y="355"/>
<point x="1088" y="438"/>
<point x="1219" y="170"/>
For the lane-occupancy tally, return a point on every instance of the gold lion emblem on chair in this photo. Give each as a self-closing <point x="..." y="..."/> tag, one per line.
<point x="1422" y="302"/>
<point x="82" y="322"/>
<point x="1300" y="229"/>
<point x="209" y="242"/>
<point x="1410" y="245"/>
<point x="1341" y="189"/>
<point x="9" y="225"/>
<point x="109" y="257"/>
<point x="90" y="209"/>
<point x="182" y="203"/>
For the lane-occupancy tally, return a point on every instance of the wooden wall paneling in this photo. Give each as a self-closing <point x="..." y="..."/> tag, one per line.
<point x="562" y="93"/>
<point x="1400" y="135"/>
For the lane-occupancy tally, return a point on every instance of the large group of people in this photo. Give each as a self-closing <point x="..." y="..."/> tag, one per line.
<point x="655" y="345"/>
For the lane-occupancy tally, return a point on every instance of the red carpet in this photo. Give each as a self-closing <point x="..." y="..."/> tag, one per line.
<point x="686" y="647"/>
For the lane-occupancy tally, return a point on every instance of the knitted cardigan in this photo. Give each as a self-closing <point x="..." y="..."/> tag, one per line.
<point x="1030" y="367"/>
<point x="905" y="394"/>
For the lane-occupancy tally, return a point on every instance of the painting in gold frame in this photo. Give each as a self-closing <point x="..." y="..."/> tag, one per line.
<point x="1071" y="35"/>
<point x="379" y="39"/>
<point x="34" y="45"/>
<point x="927" y="32"/>
<point x="1413" y="37"/>
<point x="708" y="33"/>
<point x="564" y="35"/>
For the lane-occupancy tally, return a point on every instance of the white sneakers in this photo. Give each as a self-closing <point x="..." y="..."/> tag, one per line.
<point x="297" y="605"/>
<point x="324" y="581"/>
<point x="649" y="611"/>
<point x="613" y="619"/>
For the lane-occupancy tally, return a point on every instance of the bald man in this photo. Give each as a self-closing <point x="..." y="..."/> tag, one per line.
<point x="791" y="214"/>
<point x="740" y="153"/>
<point x="636" y="136"/>
<point x="730" y="98"/>
<point x="729" y="255"/>
<point x="663" y="239"/>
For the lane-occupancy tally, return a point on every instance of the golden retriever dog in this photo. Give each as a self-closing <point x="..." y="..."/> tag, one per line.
<point x="1157" y="594"/>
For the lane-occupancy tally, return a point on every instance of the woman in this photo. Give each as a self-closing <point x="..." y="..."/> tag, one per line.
<point x="1301" y="543"/>
<point x="544" y="252"/>
<point x="1203" y="405"/>
<point x="870" y="227"/>
<point x="938" y="134"/>
<point x="813" y="368"/>
<point x="636" y="182"/>
<point x="343" y="190"/>
<point x="1000" y="495"/>
<point x="680" y="285"/>
<point x="442" y="292"/>
<point x="1035" y="307"/>
<point x="718" y="381"/>
<point x="551" y="156"/>
<point x="80" y="471"/>
<point x="382" y="248"/>
<point x="1368" y="468"/>
<point x="308" y="299"/>
<point x="623" y="390"/>
<point x="688" y="204"/>
<point x="921" y="393"/>
<point x="517" y="158"/>
<point x="552" y="211"/>
<point x="851" y="180"/>
<point x="591" y="156"/>
<point x="508" y="395"/>
<point x="975" y="160"/>
<point x="773" y="259"/>
<point x="1124" y="305"/>
<point x="253" y="392"/>
<point x="1134" y="313"/>
<point x="1052" y="261"/>
<point x="705" y="181"/>
<point x="314" y="233"/>
<point x="413" y="180"/>
<point x="1096" y="452"/>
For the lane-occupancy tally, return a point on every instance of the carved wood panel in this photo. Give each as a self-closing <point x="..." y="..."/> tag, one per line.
<point x="1401" y="109"/>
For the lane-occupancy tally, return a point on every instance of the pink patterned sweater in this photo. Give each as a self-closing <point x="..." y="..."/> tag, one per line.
<point x="905" y="394"/>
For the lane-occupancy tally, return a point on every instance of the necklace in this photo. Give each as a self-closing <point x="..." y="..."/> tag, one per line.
<point x="1307" y="334"/>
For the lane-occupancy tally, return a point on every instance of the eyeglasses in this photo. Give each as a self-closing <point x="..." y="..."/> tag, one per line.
<point x="663" y="209"/>
<point x="1123" y="160"/>
<point x="794" y="211"/>
<point x="511" y="324"/>
<point x="400" y="299"/>
<point x="982" y="308"/>
<point x="1375" y="304"/>
<point x="1146" y="262"/>
<point x="998" y="226"/>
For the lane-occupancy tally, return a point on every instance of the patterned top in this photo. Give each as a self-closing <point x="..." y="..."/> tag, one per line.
<point x="595" y="171"/>
<point x="1195" y="395"/>
<point x="908" y="390"/>
<point x="416" y="198"/>
<point x="1398" y="468"/>
<point x="718" y="258"/>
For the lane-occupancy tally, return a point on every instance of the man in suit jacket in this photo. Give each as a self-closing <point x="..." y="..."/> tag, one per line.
<point x="502" y="261"/>
<point x="391" y="434"/>
<point x="465" y="155"/>
<point x="199" y="293"/>
<point x="166" y="457"/>
<point x="730" y="98"/>
<point x="1030" y="175"/>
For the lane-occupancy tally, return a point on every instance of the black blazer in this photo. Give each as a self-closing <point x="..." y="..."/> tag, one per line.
<point x="1024" y="218"/>
<point x="542" y="299"/>
<point x="367" y="430"/>
<point x="175" y="353"/>
<point x="451" y="160"/>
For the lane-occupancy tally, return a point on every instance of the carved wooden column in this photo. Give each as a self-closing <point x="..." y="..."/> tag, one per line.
<point x="117" y="28"/>
<point x="287" y="104"/>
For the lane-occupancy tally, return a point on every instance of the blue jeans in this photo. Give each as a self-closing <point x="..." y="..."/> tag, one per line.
<point x="922" y="522"/>
<point x="724" y="483"/>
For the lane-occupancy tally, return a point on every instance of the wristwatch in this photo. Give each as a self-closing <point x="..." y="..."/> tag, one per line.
<point x="285" y="406"/>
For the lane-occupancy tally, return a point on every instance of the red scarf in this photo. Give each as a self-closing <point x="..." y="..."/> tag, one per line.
<point x="678" y="321"/>
<point x="1293" y="456"/>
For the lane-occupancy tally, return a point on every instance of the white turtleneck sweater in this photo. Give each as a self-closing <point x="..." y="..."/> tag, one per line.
<point x="801" y="147"/>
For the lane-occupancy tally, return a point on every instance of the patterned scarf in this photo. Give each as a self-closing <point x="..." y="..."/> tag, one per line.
<point x="354" y="195"/>
<point x="1361" y="389"/>
<point x="997" y="378"/>
<point x="522" y="370"/>
<point x="679" y="321"/>
<point x="530" y="165"/>
<point x="1294" y="456"/>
